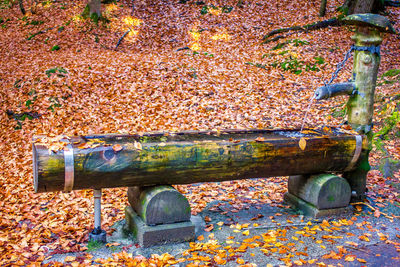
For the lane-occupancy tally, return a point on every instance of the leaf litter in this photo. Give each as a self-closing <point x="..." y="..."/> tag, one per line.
<point x="85" y="86"/>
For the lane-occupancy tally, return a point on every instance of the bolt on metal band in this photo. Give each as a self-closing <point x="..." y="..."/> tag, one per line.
<point x="372" y="49"/>
<point x="69" y="168"/>
<point x="357" y="153"/>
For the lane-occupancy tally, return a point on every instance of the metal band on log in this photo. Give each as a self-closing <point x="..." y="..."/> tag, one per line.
<point x="105" y="161"/>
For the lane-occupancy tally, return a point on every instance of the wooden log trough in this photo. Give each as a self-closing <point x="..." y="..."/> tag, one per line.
<point x="149" y="163"/>
<point x="105" y="161"/>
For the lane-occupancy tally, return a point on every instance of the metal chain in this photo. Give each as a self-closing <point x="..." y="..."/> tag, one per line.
<point x="340" y="66"/>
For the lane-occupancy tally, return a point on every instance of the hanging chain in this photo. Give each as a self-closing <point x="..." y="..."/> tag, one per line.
<point x="340" y="66"/>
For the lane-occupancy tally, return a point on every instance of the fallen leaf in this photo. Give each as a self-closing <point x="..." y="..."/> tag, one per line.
<point x="209" y="228"/>
<point x="302" y="143"/>
<point x="117" y="147"/>
<point x="349" y="258"/>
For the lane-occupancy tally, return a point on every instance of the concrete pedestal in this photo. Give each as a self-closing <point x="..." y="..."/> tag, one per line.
<point x="319" y="195"/>
<point x="310" y="210"/>
<point x="159" y="234"/>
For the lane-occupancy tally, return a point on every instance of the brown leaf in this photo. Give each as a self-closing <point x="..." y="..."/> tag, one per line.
<point x="209" y="228"/>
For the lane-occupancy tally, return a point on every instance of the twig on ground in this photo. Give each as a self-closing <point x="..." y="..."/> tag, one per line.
<point x="39" y="32"/>
<point x="308" y="27"/>
<point x="122" y="38"/>
<point x="358" y="249"/>
<point x="373" y="209"/>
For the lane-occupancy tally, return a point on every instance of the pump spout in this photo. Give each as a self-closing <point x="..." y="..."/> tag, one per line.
<point x="331" y="90"/>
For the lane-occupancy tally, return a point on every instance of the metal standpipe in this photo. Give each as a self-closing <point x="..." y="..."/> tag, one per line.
<point x="97" y="235"/>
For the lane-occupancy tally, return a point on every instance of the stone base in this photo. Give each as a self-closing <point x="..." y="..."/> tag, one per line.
<point x="100" y="237"/>
<point x="310" y="210"/>
<point x="159" y="234"/>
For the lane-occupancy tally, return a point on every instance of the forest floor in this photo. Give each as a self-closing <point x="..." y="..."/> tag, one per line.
<point x="185" y="65"/>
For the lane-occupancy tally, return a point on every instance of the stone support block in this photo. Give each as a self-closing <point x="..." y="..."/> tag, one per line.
<point x="159" y="234"/>
<point x="310" y="210"/>
<point x="319" y="195"/>
<point x="159" y="204"/>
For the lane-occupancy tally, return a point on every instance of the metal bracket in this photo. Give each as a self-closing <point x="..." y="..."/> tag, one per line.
<point x="357" y="153"/>
<point x="372" y="49"/>
<point x="69" y="168"/>
<point x="365" y="128"/>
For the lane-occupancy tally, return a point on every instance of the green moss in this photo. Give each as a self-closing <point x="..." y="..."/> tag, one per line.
<point x="86" y="12"/>
<point x="94" y="245"/>
<point x="55" y="48"/>
<point x="95" y="18"/>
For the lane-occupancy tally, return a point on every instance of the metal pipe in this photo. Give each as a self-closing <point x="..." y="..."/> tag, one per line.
<point x="325" y="92"/>
<point x="97" y="209"/>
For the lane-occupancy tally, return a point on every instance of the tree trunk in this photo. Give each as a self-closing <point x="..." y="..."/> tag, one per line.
<point x="21" y="7"/>
<point x="190" y="157"/>
<point x="95" y="7"/>
<point x="322" y="8"/>
<point x="363" y="6"/>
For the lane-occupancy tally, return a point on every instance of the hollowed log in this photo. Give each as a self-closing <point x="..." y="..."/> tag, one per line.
<point x="105" y="161"/>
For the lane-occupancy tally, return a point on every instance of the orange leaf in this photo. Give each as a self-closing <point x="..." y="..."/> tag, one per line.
<point x="117" y="147"/>
<point x="219" y="260"/>
<point x="209" y="228"/>
<point x="260" y="139"/>
<point x="302" y="143"/>
<point x="377" y="213"/>
<point x="240" y="261"/>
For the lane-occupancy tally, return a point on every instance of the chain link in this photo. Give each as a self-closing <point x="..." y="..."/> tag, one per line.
<point x="340" y="66"/>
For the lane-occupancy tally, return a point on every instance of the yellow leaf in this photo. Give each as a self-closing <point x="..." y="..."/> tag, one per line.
<point x="240" y="261"/>
<point x="302" y="143"/>
<point x="349" y="258"/>
<point x="137" y="145"/>
<point x="69" y="258"/>
<point x="297" y="262"/>
<point x="247" y="232"/>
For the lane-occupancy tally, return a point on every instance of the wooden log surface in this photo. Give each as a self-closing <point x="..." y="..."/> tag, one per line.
<point x="105" y="161"/>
